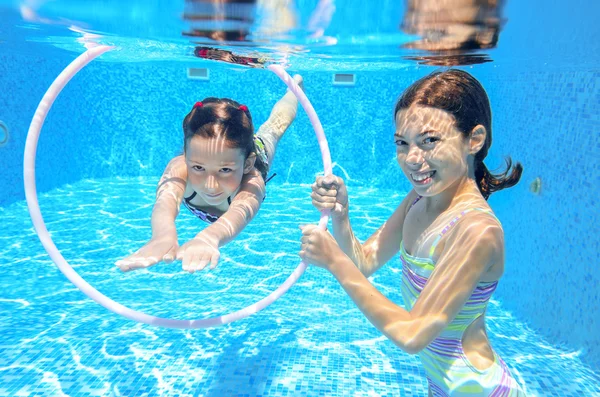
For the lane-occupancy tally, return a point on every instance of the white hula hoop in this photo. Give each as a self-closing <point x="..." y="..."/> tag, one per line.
<point x="36" y="216"/>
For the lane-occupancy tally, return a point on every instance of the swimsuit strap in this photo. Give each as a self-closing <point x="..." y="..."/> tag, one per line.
<point x="454" y="222"/>
<point x="414" y="202"/>
<point x="271" y="177"/>
<point x="188" y="199"/>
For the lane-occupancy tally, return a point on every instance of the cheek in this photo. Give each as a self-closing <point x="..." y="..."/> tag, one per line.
<point x="233" y="180"/>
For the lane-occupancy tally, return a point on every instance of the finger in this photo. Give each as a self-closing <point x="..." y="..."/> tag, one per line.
<point x="324" y="196"/>
<point x="323" y="200"/>
<point x="214" y="261"/>
<point x="327" y="192"/>
<point x="332" y="180"/>
<point x="308" y="229"/>
<point x="122" y="265"/>
<point x="170" y="256"/>
<point x="197" y="262"/>
<point x="203" y="261"/>
<point x="147" y="262"/>
<point x="181" y="253"/>
<point x="329" y="180"/>
<point x="186" y="262"/>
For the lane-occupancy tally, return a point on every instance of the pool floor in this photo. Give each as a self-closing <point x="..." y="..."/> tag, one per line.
<point x="312" y="341"/>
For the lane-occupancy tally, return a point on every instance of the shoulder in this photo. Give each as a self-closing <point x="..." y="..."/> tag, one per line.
<point x="177" y="166"/>
<point x="478" y="235"/>
<point x="252" y="183"/>
<point x="408" y="201"/>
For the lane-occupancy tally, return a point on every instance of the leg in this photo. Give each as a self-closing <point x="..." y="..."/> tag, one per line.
<point x="282" y="116"/>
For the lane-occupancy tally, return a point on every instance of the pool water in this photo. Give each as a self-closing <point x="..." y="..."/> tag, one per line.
<point x="312" y="341"/>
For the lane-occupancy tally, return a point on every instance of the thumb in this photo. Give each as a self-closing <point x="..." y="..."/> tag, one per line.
<point x="214" y="260"/>
<point x="170" y="256"/>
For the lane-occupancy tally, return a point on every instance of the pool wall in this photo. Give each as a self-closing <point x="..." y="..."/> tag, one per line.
<point x="117" y="120"/>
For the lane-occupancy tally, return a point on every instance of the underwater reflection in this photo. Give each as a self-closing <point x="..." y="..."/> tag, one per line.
<point x="451" y="31"/>
<point x="217" y="54"/>
<point x="239" y="20"/>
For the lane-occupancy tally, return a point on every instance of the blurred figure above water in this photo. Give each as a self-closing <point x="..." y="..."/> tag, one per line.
<point x="239" y="20"/>
<point x="451" y="30"/>
<point x="237" y="23"/>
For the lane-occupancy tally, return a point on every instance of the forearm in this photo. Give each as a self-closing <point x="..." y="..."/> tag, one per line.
<point x="352" y="247"/>
<point x="390" y="319"/>
<point x="230" y="224"/>
<point x="163" y="217"/>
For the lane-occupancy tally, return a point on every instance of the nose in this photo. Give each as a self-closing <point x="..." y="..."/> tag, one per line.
<point x="211" y="184"/>
<point x="414" y="157"/>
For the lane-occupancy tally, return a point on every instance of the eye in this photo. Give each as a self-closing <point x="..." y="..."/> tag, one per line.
<point x="430" y="140"/>
<point x="400" y="142"/>
<point x="226" y="170"/>
<point x="197" y="168"/>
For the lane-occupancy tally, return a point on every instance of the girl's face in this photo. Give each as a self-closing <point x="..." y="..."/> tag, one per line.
<point x="215" y="170"/>
<point x="432" y="153"/>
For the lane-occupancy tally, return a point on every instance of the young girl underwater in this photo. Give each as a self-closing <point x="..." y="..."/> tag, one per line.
<point x="450" y="242"/>
<point x="220" y="178"/>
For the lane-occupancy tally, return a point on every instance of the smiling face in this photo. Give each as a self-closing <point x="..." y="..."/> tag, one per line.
<point x="431" y="151"/>
<point x="215" y="170"/>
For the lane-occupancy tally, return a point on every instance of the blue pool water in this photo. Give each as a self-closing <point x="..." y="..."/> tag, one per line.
<point x="115" y="126"/>
<point x="312" y="341"/>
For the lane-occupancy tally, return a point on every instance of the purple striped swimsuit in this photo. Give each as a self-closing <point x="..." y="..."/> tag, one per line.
<point x="449" y="371"/>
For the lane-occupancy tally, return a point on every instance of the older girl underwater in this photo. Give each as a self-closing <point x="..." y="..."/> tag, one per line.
<point x="450" y="242"/>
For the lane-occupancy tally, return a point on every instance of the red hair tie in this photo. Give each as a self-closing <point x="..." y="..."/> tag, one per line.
<point x="243" y="108"/>
<point x="198" y="105"/>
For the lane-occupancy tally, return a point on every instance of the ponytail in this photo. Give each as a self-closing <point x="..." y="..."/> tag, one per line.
<point x="489" y="183"/>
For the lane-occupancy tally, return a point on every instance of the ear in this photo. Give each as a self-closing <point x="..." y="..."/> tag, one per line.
<point x="477" y="139"/>
<point x="249" y="162"/>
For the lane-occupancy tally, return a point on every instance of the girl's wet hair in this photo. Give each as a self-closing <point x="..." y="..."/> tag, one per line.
<point x="460" y="94"/>
<point x="214" y="117"/>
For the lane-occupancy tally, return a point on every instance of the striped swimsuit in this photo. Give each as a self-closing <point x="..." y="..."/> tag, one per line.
<point x="449" y="371"/>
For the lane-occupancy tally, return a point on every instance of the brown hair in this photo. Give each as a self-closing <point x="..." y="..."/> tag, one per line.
<point x="460" y="94"/>
<point x="223" y="117"/>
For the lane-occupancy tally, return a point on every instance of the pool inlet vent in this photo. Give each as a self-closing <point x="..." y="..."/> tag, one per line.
<point x="535" y="186"/>
<point x="198" y="74"/>
<point x="344" y="79"/>
<point x="3" y="133"/>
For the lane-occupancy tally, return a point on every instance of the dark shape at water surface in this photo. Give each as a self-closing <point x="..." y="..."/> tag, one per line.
<point x="219" y="20"/>
<point x="229" y="57"/>
<point x="443" y="59"/>
<point x="451" y="30"/>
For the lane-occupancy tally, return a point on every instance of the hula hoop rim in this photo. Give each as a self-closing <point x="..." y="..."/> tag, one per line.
<point x="35" y="213"/>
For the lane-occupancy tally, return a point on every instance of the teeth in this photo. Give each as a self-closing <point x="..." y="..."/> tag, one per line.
<point x="422" y="177"/>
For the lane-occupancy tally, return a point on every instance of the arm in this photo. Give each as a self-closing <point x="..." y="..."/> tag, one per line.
<point x="380" y="247"/>
<point x="284" y="112"/>
<point x="163" y="243"/>
<point x="169" y="194"/>
<point x="468" y="253"/>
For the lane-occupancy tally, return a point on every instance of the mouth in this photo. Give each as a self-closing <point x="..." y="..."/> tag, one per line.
<point x="212" y="195"/>
<point x="422" y="178"/>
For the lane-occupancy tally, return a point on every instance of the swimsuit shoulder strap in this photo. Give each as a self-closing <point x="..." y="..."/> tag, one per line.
<point x="188" y="199"/>
<point x="414" y="202"/>
<point x="454" y="222"/>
